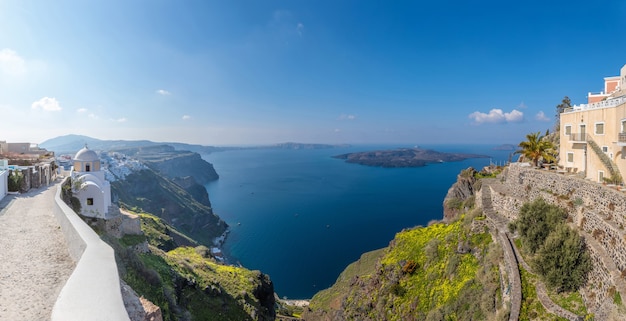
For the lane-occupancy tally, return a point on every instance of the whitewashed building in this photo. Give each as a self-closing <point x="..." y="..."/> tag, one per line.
<point x="89" y="184"/>
<point x="4" y="178"/>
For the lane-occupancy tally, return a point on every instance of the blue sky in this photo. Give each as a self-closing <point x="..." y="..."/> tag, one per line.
<point x="256" y="72"/>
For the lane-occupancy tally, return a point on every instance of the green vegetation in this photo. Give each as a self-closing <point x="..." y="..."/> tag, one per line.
<point x="536" y="148"/>
<point x="615" y="178"/>
<point x="531" y="308"/>
<point x="535" y="221"/>
<point x="571" y="301"/>
<point x="560" y="108"/>
<point x="426" y="273"/>
<point x="186" y="282"/>
<point x="15" y="180"/>
<point x="558" y="253"/>
<point x="331" y="298"/>
<point x="148" y="191"/>
<point x="68" y="196"/>
<point x="563" y="261"/>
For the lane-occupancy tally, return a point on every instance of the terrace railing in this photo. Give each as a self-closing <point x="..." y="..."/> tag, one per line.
<point x="601" y="104"/>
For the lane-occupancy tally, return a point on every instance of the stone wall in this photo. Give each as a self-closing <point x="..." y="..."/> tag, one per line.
<point x="597" y="210"/>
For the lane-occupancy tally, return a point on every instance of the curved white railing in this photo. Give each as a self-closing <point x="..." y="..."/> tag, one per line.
<point x="92" y="293"/>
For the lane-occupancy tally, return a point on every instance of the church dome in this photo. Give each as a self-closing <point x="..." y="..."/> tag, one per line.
<point x="86" y="155"/>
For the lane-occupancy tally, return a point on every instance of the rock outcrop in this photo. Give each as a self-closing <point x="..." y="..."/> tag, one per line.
<point x="458" y="193"/>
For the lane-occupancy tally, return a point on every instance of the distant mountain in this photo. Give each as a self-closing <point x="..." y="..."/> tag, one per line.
<point x="70" y="144"/>
<point x="292" y="145"/>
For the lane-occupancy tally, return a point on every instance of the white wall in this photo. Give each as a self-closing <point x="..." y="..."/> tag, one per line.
<point x="92" y="293"/>
<point x="4" y="183"/>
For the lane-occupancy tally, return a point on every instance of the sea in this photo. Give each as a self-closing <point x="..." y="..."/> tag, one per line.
<point x="302" y="216"/>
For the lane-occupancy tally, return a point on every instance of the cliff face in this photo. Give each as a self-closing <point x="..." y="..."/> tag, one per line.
<point x="426" y="273"/>
<point x="153" y="193"/>
<point x="183" y="164"/>
<point x="174" y="163"/>
<point x="460" y="191"/>
<point x="185" y="281"/>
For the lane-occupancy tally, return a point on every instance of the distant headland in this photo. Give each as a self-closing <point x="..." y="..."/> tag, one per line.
<point x="404" y="157"/>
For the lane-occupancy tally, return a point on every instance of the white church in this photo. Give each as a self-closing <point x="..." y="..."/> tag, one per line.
<point x="94" y="191"/>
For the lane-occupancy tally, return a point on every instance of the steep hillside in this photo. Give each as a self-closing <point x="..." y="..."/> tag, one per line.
<point x="426" y="273"/>
<point x="153" y="193"/>
<point x="173" y="163"/>
<point x="185" y="281"/>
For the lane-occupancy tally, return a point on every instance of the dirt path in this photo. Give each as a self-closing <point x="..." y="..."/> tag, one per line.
<point x="34" y="260"/>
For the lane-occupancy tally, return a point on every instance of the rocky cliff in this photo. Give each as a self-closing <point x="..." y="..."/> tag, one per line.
<point x="173" y="163"/>
<point x="472" y="268"/>
<point x="186" y="281"/>
<point x="150" y="192"/>
<point x="460" y="191"/>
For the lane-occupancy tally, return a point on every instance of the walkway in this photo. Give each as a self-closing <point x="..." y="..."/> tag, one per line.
<point x="501" y="224"/>
<point x="34" y="260"/>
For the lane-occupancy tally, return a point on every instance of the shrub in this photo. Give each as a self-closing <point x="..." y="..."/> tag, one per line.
<point x="563" y="261"/>
<point x="535" y="221"/>
<point x="15" y="181"/>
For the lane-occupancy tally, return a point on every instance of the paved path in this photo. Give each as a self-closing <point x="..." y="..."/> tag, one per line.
<point x="509" y="246"/>
<point x="34" y="260"/>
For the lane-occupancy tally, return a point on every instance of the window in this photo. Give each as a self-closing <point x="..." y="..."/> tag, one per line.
<point x="599" y="128"/>
<point x="568" y="130"/>
<point x="600" y="176"/>
<point x="570" y="157"/>
<point x="605" y="149"/>
<point x="90" y="201"/>
<point x="87" y="168"/>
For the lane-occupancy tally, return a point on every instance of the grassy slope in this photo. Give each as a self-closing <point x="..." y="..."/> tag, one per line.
<point x="331" y="298"/>
<point x="186" y="282"/>
<point x="381" y="285"/>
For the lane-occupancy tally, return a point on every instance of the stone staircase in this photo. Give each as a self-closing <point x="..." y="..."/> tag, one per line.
<point x="499" y="225"/>
<point x="513" y="256"/>
<point x="606" y="161"/>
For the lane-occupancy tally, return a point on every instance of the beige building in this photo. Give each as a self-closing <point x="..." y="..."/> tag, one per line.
<point x="593" y="135"/>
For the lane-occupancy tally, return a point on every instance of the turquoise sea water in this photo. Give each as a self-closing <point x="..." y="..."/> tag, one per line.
<point x="302" y="217"/>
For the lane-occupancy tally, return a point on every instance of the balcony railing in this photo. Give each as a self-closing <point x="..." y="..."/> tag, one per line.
<point x="578" y="137"/>
<point x="601" y="104"/>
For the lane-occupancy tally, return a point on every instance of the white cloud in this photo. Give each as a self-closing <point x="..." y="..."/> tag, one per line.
<point x="186" y="117"/>
<point x="121" y="120"/>
<point x="163" y="92"/>
<point x="81" y="110"/>
<point x="92" y="116"/>
<point x="337" y="130"/>
<point x="346" y="117"/>
<point x="47" y="104"/>
<point x="11" y="63"/>
<point x="541" y="116"/>
<point x="522" y="106"/>
<point x="497" y="116"/>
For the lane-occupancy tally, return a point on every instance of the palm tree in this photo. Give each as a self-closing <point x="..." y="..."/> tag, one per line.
<point x="536" y="147"/>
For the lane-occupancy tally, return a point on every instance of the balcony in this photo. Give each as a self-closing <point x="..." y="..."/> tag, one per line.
<point x="621" y="139"/>
<point x="579" y="138"/>
<point x="601" y="104"/>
